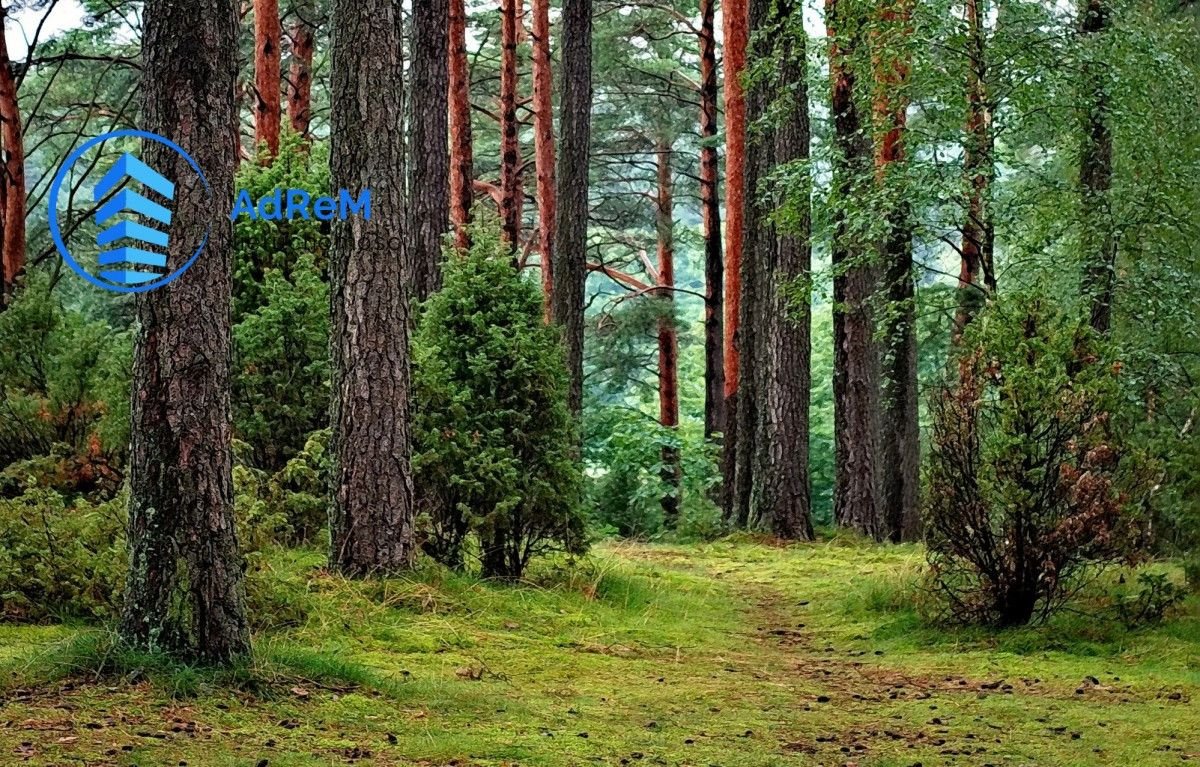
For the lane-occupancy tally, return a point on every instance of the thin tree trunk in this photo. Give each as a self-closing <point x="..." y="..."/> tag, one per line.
<point x="735" y="20"/>
<point x="304" y="36"/>
<point x="184" y="593"/>
<point x="782" y="504"/>
<point x="668" y="339"/>
<point x="856" y="384"/>
<point x="267" y="83"/>
<point x="543" y="142"/>
<point x="1096" y="176"/>
<point x="710" y="211"/>
<point x="899" y="432"/>
<point x="462" y="160"/>
<point x="12" y="186"/>
<point x="371" y="519"/>
<point x="977" y="275"/>
<point x="575" y="127"/>
<point x="429" y="166"/>
<point x="510" y="147"/>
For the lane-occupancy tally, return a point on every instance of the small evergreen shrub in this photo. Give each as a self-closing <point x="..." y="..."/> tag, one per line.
<point x="494" y="442"/>
<point x="1031" y="482"/>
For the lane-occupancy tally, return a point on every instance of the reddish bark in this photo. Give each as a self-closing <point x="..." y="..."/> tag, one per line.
<point x="710" y="211"/>
<point x="668" y="339"/>
<point x="462" y="159"/>
<point x="510" y="149"/>
<point x="303" y="35"/>
<point x="267" y="83"/>
<point x="735" y="21"/>
<point x="12" y="185"/>
<point x="543" y="142"/>
<point x="977" y="276"/>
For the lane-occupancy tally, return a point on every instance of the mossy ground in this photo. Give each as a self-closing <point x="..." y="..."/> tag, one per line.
<point x="738" y="654"/>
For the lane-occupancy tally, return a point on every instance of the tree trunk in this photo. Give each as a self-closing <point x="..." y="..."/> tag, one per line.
<point x="12" y="186"/>
<point x="782" y="504"/>
<point x="184" y="593"/>
<point x="303" y="35"/>
<point x="856" y="385"/>
<point x="510" y="147"/>
<point x="543" y="142"/>
<point x="1096" y="176"/>
<point x="735" y="19"/>
<point x="710" y="211"/>
<point x="429" y="166"/>
<point x="371" y="519"/>
<point x="462" y="160"/>
<point x="977" y="275"/>
<point x="668" y="339"/>
<point x="899" y="432"/>
<point x="267" y="83"/>
<point x="575" y="128"/>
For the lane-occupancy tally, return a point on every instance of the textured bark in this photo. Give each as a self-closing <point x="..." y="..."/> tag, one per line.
<point x="710" y="212"/>
<point x="977" y="274"/>
<point x="543" y="143"/>
<point x="462" y="158"/>
<point x="510" y="147"/>
<point x="575" y="128"/>
<point x="668" y="338"/>
<point x="782" y="500"/>
<point x="12" y="185"/>
<point x="429" y="166"/>
<point x="372" y="510"/>
<point x="1096" y="176"/>
<point x="267" y="82"/>
<point x="303" y="35"/>
<point x="184" y="593"/>
<point x="900" y="448"/>
<point x="856" y="384"/>
<point x="735" y="21"/>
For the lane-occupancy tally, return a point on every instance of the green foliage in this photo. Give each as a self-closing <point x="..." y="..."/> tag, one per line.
<point x="60" y="559"/>
<point x="494" y="441"/>
<point x="1156" y="598"/>
<point x="281" y="365"/>
<point x="289" y="507"/>
<point x="64" y="381"/>
<point x="1031" y="479"/>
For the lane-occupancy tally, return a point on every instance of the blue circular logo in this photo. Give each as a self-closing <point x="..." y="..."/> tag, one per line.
<point x="132" y="251"/>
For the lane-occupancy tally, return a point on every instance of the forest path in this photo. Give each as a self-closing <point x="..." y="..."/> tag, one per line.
<point x="732" y="654"/>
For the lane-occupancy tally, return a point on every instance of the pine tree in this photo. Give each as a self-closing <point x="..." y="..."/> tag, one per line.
<point x="267" y="82"/>
<point x="429" y="167"/>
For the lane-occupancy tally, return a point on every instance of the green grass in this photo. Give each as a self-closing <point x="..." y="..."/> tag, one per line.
<point x="739" y="654"/>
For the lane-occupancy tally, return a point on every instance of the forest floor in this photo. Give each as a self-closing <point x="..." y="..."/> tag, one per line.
<point x="737" y="654"/>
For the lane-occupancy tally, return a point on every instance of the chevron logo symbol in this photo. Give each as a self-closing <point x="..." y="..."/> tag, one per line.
<point x="125" y="255"/>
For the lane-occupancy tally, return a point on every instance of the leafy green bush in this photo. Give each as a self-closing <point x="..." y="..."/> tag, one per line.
<point x="59" y="559"/>
<point x="1031" y="480"/>
<point x="494" y="439"/>
<point x="64" y="387"/>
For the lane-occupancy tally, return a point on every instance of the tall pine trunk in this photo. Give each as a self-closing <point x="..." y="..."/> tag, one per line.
<point x="12" y="186"/>
<point x="977" y="274"/>
<point x="184" y="594"/>
<point x="668" y="338"/>
<point x="710" y="212"/>
<point x="856" y="384"/>
<point x="899" y="432"/>
<point x="543" y="143"/>
<point x="462" y="158"/>
<point x="429" y="164"/>
<point x="575" y="130"/>
<point x="267" y="83"/>
<point x="510" y="147"/>
<point x="782" y="503"/>
<point x="1096" y="173"/>
<point x="735" y="21"/>
<point x="372" y="510"/>
<point x="304" y="40"/>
